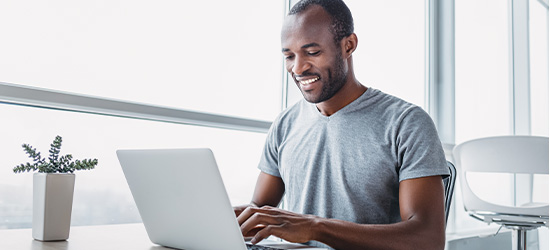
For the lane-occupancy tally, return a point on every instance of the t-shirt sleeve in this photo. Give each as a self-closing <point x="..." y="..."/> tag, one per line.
<point x="419" y="149"/>
<point x="269" y="161"/>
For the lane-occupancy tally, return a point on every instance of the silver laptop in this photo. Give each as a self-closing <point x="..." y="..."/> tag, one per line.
<point x="182" y="200"/>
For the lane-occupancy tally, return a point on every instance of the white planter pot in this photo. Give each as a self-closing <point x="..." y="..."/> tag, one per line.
<point x="52" y="205"/>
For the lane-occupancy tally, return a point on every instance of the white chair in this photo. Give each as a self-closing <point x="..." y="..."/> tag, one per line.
<point x="504" y="154"/>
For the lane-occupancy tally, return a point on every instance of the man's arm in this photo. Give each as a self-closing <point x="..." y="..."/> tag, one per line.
<point x="421" y="204"/>
<point x="268" y="192"/>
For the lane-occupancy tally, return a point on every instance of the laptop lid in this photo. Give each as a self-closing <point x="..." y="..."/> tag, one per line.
<point x="181" y="198"/>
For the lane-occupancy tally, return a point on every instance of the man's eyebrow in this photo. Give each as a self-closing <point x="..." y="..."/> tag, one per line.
<point x="305" y="46"/>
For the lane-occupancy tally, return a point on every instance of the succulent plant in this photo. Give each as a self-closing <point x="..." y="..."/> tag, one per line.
<point x="54" y="163"/>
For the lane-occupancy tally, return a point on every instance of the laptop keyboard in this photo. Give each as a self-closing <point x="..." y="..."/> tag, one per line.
<point x="258" y="247"/>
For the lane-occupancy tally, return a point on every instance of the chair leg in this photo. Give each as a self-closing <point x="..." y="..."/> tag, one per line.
<point x="519" y="239"/>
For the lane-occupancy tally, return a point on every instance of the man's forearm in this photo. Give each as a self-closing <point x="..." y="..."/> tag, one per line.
<point x="410" y="234"/>
<point x="421" y="206"/>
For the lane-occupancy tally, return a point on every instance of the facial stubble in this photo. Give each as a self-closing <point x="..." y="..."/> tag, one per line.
<point x="334" y="83"/>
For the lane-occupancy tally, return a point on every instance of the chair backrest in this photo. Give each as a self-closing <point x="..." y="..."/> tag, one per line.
<point x="502" y="154"/>
<point x="449" y="185"/>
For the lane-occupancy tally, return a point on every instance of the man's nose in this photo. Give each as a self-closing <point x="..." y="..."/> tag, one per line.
<point x="300" y="66"/>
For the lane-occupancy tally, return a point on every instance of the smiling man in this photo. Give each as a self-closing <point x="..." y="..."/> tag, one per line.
<point x="360" y="169"/>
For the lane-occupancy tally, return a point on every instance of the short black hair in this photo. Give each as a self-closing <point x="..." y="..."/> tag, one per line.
<point x="342" y="21"/>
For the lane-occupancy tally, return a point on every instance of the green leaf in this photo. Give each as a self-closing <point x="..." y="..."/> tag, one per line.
<point x="55" y="163"/>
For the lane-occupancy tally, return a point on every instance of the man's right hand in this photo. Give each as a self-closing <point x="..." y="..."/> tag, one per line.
<point x="269" y="191"/>
<point x="239" y="209"/>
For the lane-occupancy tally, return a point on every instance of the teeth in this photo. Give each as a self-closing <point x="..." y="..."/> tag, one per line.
<point x="306" y="82"/>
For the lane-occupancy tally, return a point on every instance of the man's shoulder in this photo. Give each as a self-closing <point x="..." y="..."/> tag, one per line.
<point x="384" y="100"/>
<point x="387" y="106"/>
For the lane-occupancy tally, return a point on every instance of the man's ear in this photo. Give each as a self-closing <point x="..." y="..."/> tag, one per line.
<point x="349" y="44"/>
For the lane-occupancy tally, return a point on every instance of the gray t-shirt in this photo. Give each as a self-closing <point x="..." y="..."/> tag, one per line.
<point x="348" y="166"/>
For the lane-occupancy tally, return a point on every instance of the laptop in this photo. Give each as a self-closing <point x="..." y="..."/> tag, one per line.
<point x="182" y="201"/>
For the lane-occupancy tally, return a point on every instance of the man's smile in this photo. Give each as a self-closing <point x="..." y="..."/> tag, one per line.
<point x="308" y="81"/>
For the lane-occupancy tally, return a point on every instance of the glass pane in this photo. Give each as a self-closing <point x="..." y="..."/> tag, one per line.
<point x="482" y="91"/>
<point x="482" y="86"/>
<point x="198" y="55"/>
<point x="390" y="53"/>
<point x="102" y="195"/>
<point x="540" y="188"/>
<point x="538" y="49"/>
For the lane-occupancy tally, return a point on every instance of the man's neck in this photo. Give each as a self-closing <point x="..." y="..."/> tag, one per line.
<point x="349" y="93"/>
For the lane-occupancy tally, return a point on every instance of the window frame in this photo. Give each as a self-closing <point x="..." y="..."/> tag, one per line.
<point x="58" y="100"/>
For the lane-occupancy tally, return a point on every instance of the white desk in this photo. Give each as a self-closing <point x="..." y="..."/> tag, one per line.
<point x="104" y="237"/>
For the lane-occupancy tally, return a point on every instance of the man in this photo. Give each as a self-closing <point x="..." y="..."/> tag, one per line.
<point x="360" y="169"/>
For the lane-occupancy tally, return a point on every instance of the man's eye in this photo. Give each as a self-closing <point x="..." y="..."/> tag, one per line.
<point x="313" y="53"/>
<point x="288" y="57"/>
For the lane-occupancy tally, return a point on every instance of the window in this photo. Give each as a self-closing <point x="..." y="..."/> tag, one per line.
<point x="190" y="55"/>
<point x="538" y="49"/>
<point x="179" y="54"/>
<point x="482" y="97"/>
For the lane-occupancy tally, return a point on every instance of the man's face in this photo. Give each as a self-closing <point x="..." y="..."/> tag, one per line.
<point x="311" y="56"/>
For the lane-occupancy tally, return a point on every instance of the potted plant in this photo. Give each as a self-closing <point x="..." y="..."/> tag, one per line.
<point x="53" y="188"/>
